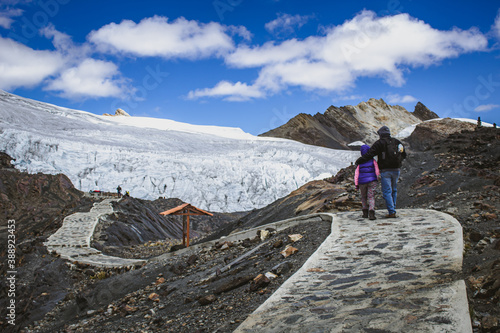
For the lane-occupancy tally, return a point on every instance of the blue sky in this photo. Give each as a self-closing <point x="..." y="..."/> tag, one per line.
<point x="252" y="64"/>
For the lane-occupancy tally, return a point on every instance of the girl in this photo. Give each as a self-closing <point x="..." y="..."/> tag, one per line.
<point x="365" y="179"/>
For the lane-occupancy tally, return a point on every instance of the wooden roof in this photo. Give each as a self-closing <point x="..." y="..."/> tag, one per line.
<point x="186" y="209"/>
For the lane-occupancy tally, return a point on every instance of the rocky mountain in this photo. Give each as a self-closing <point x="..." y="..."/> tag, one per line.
<point x="337" y="127"/>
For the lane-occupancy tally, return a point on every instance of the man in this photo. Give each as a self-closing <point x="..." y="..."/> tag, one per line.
<point x="390" y="152"/>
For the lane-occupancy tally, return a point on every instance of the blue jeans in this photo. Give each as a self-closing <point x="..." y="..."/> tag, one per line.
<point x="389" y="182"/>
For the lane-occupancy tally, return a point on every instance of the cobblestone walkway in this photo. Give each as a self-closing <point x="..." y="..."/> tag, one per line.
<point x="72" y="240"/>
<point x="387" y="275"/>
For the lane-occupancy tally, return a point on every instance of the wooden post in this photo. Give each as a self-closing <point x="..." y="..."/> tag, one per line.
<point x="187" y="229"/>
<point x="184" y="230"/>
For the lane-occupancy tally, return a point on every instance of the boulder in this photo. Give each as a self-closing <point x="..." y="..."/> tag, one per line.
<point x="206" y="300"/>
<point x="288" y="251"/>
<point x="260" y="281"/>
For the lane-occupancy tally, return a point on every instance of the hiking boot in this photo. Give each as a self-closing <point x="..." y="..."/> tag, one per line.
<point x="371" y="215"/>
<point x="365" y="213"/>
<point x="391" y="216"/>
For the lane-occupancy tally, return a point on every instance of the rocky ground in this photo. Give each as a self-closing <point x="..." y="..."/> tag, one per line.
<point x="460" y="175"/>
<point x="457" y="174"/>
<point x="186" y="293"/>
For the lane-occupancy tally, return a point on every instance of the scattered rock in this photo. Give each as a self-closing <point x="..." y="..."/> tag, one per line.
<point x="264" y="234"/>
<point x="294" y="237"/>
<point x="489" y="322"/>
<point x="192" y="259"/>
<point x="260" y="281"/>
<point x="288" y="251"/>
<point x="317" y="270"/>
<point x="278" y="244"/>
<point x="206" y="300"/>
<point x="282" y="268"/>
<point x="160" y="281"/>
<point x="233" y="284"/>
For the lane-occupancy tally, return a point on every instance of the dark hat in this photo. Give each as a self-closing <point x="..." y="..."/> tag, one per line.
<point x="384" y="131"/>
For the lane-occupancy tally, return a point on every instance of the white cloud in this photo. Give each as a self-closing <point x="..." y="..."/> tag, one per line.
<point x="272" y="53"/>
<point x="486" y="107"/>
<point x="7" y="15"/>
<point x="21" y="66"/>
<point x="285" y="24"/>
<point x="67" y="70"/>
<point x="156" y="36"/>
<point x="235" y="92"/>
<point x="91" y="78"/>
<point x="496" y="25"/>
<point x="347" y="98"/>
<point x="395" y="98"/>
<point x="366" y="46"/>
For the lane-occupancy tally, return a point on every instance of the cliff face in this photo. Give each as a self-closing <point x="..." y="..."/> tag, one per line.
<point x="37" y="202"/>
<point x="340" y="126"/>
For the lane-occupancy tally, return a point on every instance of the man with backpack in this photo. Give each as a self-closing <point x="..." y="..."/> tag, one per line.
<point x="390" y="152"/>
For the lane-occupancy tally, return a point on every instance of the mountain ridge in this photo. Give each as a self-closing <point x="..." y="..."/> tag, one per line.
<point x="338" y="127"/>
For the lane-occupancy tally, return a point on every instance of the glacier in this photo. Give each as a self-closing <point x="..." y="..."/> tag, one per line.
<point x="220" y="169"/>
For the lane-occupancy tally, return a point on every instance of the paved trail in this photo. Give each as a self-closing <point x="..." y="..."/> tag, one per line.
<point x="72" y="240"/>
<point x="388" y="275"/>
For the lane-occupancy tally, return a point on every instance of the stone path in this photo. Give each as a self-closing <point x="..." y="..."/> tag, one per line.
<point x="387" y="275"/>
<point x="72" y="240"/>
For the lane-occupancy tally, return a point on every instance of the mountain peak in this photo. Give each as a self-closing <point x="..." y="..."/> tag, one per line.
<point x="422" y="112"/>
<point x="340" y="126"/>
<point x="118" y="112"/>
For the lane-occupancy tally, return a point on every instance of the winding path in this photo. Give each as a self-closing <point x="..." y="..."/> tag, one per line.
<point x="72" y="240"/>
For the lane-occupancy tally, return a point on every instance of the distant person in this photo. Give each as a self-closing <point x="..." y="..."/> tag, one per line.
<point x="479" y="123"/>
<point x="119" y="191"/>
<point x="127" y="194"/>
<point x="366" y="179"/>
<point x="390" y="153"/>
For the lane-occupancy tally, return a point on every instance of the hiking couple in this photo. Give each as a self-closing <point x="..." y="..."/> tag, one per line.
<point x="390" y="153"/>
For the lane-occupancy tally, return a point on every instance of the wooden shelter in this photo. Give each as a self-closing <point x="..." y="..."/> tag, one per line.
<point x="185" y="210"/>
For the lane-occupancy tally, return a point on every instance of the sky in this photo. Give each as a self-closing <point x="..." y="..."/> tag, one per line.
<point x="252" y="64"/>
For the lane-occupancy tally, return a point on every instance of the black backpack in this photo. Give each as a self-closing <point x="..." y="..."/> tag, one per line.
<point x="393" y="155"/>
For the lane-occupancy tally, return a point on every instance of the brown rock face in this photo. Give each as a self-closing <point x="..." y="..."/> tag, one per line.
<point x="340" y="126"/>
<point x="37" y="202"/>
<point x="423" y="113"/>
<point x="428" y="133"/>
